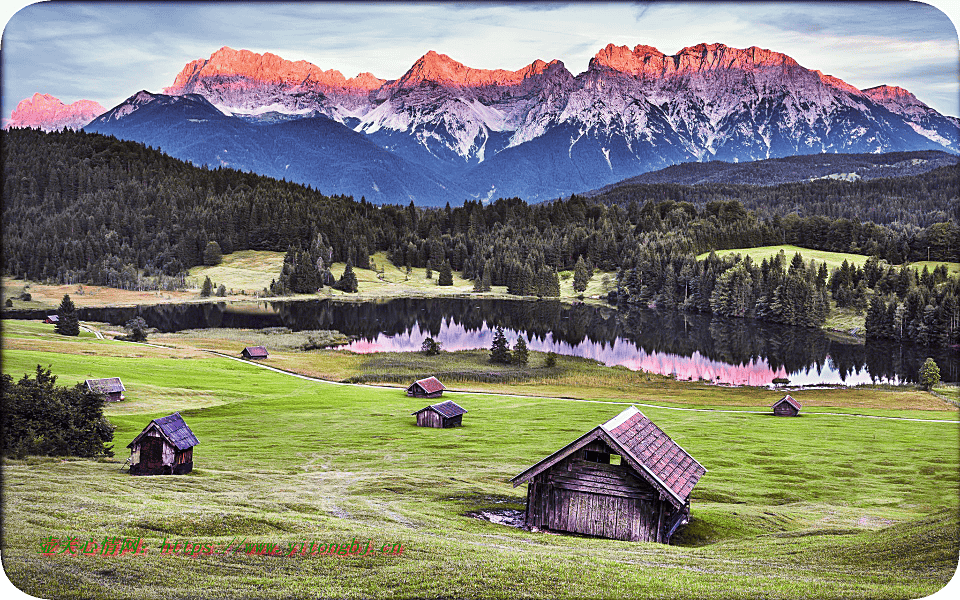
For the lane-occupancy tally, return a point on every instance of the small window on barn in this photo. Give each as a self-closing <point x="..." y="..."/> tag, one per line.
<point x="614" y="459"/>
<point x="597" y="457"/>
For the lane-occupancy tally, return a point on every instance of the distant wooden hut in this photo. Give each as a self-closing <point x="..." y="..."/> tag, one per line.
<point x="164" y="447"/>
<point x="625" y="480"/>
<point x="426" y="388"/>
<point x="52" y="319"/>
<point x="786" y="407"/>
<point x="445" y="414"/>
<point x="254" y="352"/>
<point x="111" y="387"/>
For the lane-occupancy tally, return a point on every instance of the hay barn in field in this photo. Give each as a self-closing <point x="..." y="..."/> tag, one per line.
<point x="625" y="480"/>
<point x="110" y="387"/>
<point x="786" y="407"/>
<point x="254" y="352"/>
<point x="445" y="414"/>
<point x="53" y="319"/>
<point x="164" y="447"/>
<point x="426" y="388"/>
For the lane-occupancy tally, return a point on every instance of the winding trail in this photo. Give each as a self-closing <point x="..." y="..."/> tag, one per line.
<point x="568" y="399"/>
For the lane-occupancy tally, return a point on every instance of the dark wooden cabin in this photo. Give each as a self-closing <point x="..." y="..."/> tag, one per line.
<point x="786" y="407"/>
<point x="252" y="352"/>
<point x="625" y="480"/>
<point x="445" y="414"/>
<point x="164" y="447"/>
<point x="110" y="387"/>
<point x="426" y="388"/>
<point x="53" y="319"/>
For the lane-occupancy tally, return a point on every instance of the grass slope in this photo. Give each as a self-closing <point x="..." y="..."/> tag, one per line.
<point x="811" y="507"/>
<point x="833" y="259"/>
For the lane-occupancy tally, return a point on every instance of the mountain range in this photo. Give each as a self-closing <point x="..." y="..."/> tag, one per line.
<point x="445" y="132"/>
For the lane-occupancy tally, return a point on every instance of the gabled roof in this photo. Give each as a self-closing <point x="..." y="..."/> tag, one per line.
<point x="645" y="447"/>
<point x="789" y="400"/>
<point x="53" y="318"/>
<point x="173" y="429"/>
<point x="258" y="351"/>
<point x="429" y="385"/>
<point x="110" y="385"/>
<point x="444" y="409"/>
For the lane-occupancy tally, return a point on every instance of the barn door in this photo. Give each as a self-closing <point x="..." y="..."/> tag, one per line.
<point x="151" y="452"/>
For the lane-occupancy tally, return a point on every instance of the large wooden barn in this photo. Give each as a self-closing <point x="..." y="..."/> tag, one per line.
<point x="786" y="407"/>
<point x="445" y="414"/>
<point x="164" y="447"/>
<point x="426" y="388"/>
<point x="111" y="387"/>
<point x="625" y="480"/>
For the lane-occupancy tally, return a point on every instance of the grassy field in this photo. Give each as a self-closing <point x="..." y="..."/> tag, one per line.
<point x="814" y="507"/>
<point x="833" y="259"/>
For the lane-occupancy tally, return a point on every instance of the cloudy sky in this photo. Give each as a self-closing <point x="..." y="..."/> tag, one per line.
<point x="106" y="51"/>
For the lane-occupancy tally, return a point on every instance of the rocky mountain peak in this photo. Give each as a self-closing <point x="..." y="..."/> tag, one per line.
<point x="48" y="113"/>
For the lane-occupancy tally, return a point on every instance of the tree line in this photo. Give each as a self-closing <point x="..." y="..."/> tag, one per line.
<point x="88" y="208"/>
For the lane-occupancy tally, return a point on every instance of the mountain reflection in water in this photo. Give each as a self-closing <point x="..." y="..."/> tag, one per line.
<point x="691" y="346"/>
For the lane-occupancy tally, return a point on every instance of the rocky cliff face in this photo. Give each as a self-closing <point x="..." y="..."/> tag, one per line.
<point x="45" y="112"/>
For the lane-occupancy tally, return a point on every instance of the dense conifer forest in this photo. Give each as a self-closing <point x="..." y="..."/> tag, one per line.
<point x="87" y="208"/>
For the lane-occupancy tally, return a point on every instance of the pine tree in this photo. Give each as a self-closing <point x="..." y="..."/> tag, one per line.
<point x="212" y="255"/>
<point x="520" y="352"/>
<point x="68" y="322"/>
<point x="445" y="277"/>
<point x="499" y="351"/>
<point x="348" y="281"/>
<point x="485" y="283"/>
<point x="207" y="288"/>
<point x="581" y="276"/>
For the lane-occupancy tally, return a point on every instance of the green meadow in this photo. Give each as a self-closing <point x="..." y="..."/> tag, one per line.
<point x="832" y="259"/>
<point x="820" y="506"/>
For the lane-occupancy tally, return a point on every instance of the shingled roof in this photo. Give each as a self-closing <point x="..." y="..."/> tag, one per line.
<point x="256" y="351"/>
<point x="174" y="429"/>
<point x="429" y="385"/>
<point x="110" y="385"/>
<point x="789" y="400"/>
<point x="444" y="409"/>
<point x="645" y="447"/>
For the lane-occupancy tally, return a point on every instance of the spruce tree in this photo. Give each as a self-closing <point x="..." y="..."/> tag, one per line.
<point x="207" y="288"/>
<point x="581" y="276"/>
<point x="68" y="322"/>
<point x="212" y="254"/>
<point x="348" y="281"/>
<point x="520" y="352"/>
<point x="445" y="276"/>
<point x="499" y="351"/>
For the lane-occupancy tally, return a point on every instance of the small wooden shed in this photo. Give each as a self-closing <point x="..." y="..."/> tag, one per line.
<point x="254" y="352"/>
<point x="164" y="447"/>
<point x="111" y="387"/>
<point x="445" y="414"/>
<point x="786" y="407"/>
<point x="53" y="319"/>
<point x="625" y="480"/>
<point x="426" y="388"/>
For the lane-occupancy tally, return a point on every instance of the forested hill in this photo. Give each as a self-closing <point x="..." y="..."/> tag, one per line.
<point x="912" y="200"/>
<point x="81" y="207"/>
<point x="795" y="169"/>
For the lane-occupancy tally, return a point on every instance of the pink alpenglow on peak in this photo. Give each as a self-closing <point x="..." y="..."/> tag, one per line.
<point x="440" y="68"/>
<point x="267" y="68"/>
<point x="45" y="112"/>
<point x="888" y="95"/>
<point x="647" y="61"/>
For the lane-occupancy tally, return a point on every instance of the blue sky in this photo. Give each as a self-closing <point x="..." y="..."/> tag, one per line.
<point x="106" y="51"/>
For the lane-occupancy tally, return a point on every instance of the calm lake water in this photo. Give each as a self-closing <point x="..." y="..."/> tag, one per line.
<point x="691" y="346"/>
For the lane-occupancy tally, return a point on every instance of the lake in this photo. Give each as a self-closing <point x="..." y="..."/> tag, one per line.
<point x="690" y="346"/>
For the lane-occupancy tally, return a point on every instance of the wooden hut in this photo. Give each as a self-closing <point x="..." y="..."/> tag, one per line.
<point x="52" y="319"/>
<point x="426" y="388"/>
<point x="254" y="352"/>
<point x="111" y="387"/>
<point x="445" y="414"/>
<point x="625" y="480"/>
<point x="786" y="407"/>
<point x="164" y="447"/>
